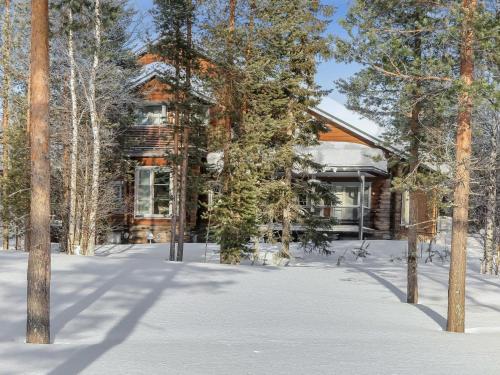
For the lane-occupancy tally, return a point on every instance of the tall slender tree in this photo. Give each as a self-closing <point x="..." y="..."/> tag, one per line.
<point x="187" y="90"/>
<point x="6" y="91"/>
<point x="38" y="294"/>
<point x="394" y="39"/>
<point x="456" y="290"/>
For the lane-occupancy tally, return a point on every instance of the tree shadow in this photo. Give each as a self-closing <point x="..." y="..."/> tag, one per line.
<point x="125" y="288"/>
<point x="401" y="295"/>
<point x="152" y="282"/>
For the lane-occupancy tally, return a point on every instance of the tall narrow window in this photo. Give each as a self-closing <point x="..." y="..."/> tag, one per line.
<point x="405" y="208"/>
<point x="152" y="195"/>
<point x="161" y="193"/>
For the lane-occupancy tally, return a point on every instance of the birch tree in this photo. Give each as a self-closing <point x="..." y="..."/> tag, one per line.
<point x="6" y="91"/>
<point x="95" y="123"/>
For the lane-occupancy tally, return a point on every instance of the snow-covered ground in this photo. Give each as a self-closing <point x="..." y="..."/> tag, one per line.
<point x="127" y="311"/>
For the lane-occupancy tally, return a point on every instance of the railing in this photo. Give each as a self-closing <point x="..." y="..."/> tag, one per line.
<point x="345" y="215"/>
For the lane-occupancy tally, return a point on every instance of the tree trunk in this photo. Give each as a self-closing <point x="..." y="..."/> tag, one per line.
<point x="456" y="290"/>
<point x="74" y="140"/>
<point x="27" y="223"/>
<point x="175" y="155"/>
<point x="412" y="274"/>
<point x="227" y="256"/>
<point x="286" y="233"/>
<point x="185" y="140"/>
<point x="491" y="204"/>
<point x="96" y="144"/>
<point x="38" y="293"/>
<point x="5" y="123"/>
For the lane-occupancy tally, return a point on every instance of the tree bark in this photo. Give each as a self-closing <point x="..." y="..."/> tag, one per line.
<point x="38" y="293"/>
<point x="456" y="290"/>
<point x="412" y="273"/>
<point x="287" y="218"/>
<point x="226" y="258"/>
<point x="286" y="233"/>
<point x="185" y="139"/>
<point x="74" y="140"/>
<point x="27" y="223"/>
<point x="491" y="203"/>
<point x="96" y="144"/>
<point x="6" y="34"/>
<point x="175" y="154"/>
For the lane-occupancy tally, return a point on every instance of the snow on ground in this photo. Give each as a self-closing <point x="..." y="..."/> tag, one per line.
<point x="127" y="311"/>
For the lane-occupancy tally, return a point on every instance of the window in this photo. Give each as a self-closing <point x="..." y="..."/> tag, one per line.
<point x="348" y="194"/>
<point x="152" y="193"/>
<point x="405" y="208"/>
<point x="151" y="115"/>
<point x="347" y="208"/>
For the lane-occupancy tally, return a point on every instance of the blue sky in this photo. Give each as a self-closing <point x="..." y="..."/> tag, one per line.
<point x="328" y="71"/>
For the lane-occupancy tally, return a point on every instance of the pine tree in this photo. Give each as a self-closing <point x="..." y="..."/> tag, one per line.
<point x="38" y="294"/>
<point x="456" y="291"/>
<point x="399" y="86"/>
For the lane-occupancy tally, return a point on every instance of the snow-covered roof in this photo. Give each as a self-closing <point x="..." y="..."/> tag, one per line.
<point x="354" y="122"/>
<point x="333" y="155"/>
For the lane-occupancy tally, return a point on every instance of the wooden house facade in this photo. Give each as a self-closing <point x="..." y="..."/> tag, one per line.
<point x="352" y="151"/>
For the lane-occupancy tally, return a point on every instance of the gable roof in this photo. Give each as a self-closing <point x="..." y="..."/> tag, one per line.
<point x="353" y="122"/>
<point x="160" y="70"/>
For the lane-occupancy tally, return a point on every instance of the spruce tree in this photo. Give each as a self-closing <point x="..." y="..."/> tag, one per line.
<point x="271" y="69"/>
<point x="175" y="21"/>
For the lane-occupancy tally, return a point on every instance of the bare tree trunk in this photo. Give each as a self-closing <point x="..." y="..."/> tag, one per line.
<point x="27" y="224"/>
<point x="83" y="234"/>
<point x="412" y="273"/>
<point x="491" y="203"/>
<point x="5" y="123"/>
<point x="175" y="168"/>
<point x="74" y="140"/>
<point x="96" y="146"/>
<point x="185" y="149"/>
<point x="456" y="290"/>
<point x="38" y="293"/>
<point x="286" y="234"/>
<point x="412" y="276"/>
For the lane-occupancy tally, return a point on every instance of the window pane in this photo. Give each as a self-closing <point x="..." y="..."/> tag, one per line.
<point x="143" y="206"/>
<point x="150" y="115"/>
<point x="351" y="196"/>
<point x="162" y="178"/>
<point x="366" y="196"/>
<point x="161" y="206"/>
<point x="143" y="192"/>
<point x="144" y="177"/>
<point x="161" y="193"/>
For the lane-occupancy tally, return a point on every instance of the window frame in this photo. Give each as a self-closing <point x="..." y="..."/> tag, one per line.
<point x="152" y="169"/>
